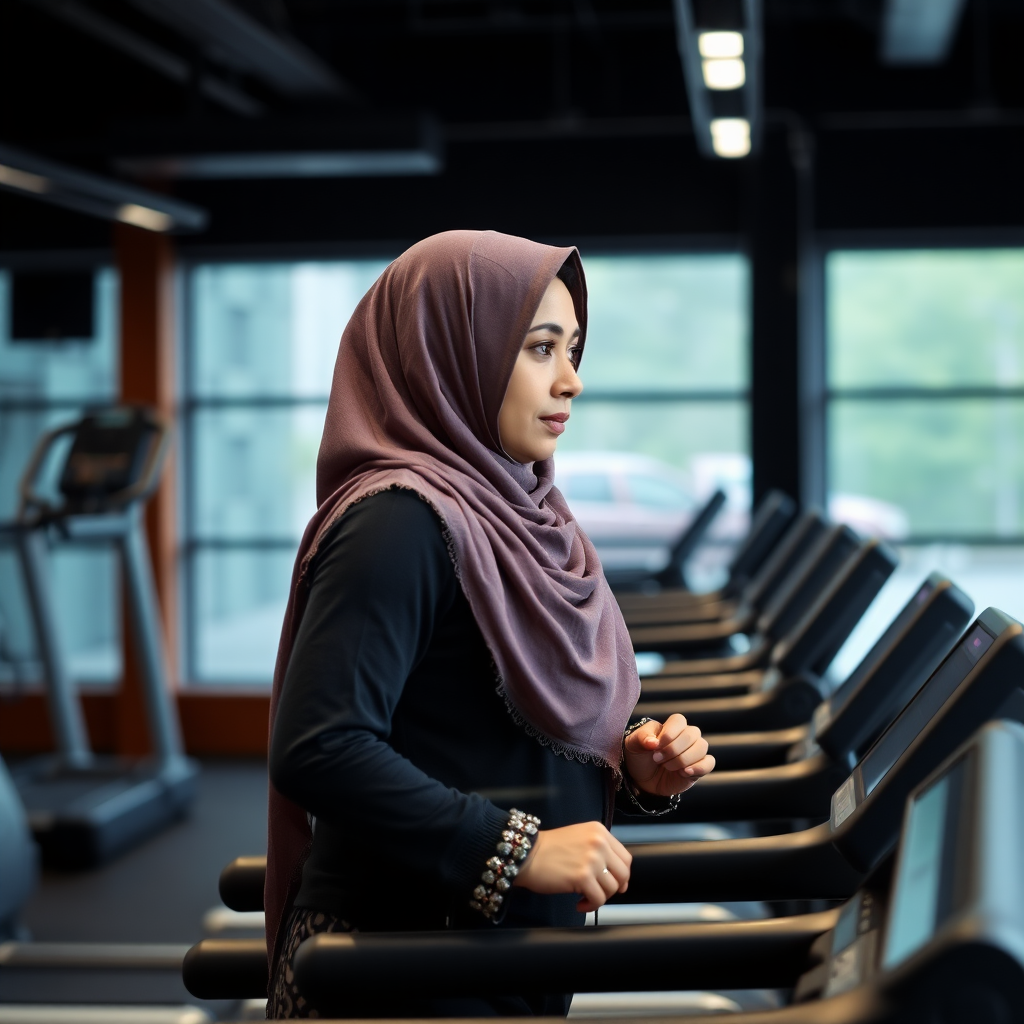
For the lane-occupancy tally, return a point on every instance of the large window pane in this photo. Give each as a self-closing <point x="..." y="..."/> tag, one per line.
<point x="926" y="318"/>
<point x="955" y="467"/>
<point x="254" y="471"/>
<point x="238" y="602"/>
<point x="664" y="323"/>
<point x="272" y="328"/>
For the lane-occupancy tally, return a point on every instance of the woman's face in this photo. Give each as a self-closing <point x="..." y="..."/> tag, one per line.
<point x="544" y="381"/>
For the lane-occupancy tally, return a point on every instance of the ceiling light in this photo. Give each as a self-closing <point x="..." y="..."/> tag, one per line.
<point x="730" y="136"/>
<point x="729" y="73"/>
<point x="143" y="217"/>
<point x="23" y="181"/>
<point x="720" y="44"/>
<point x="31" y="175"/>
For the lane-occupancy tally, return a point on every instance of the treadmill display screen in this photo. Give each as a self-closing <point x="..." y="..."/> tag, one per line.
<point x="889" y="747"/>
<point x="872" y="658"/>
<point x="926" y="880"/>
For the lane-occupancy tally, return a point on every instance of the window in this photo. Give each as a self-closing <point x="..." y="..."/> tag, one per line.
<point x="43" y="384"/>
<point x="925" y="374"/>
<point x="587" y="487"/>
<point x="260" y="350"/>
<point x="666" y="387"/>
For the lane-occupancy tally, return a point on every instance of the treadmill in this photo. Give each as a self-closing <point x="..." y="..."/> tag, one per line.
<point x="792" y="680"/>
<point x="674" y="573"/>
<point x="839" y="561"/>
<point x="793" y="687"/>
<point x="84" y="809"/>
<point x="979" y="679"/>
<point x="935" y="935"/>
<point x="751" y="598"/>
<point x="771" y="518"/>
<point x="845" y="724"/>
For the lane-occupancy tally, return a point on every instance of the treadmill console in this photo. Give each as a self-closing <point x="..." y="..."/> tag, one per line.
<point x="109" y="453"/>
<point x="932" y="881"/>
<point x="943" y="932"/>
<point x="892" y="744"/>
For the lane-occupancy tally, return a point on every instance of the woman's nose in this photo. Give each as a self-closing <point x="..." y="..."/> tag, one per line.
<point x="568" y="384"/>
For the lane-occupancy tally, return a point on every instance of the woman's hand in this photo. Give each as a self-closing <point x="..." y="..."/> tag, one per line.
<point x="585" y="859"/>
<point x="667" y="759"/>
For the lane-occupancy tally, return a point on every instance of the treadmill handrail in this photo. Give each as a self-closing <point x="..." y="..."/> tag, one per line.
<point x="332" y="967"/>
<point x="141" y="490"/>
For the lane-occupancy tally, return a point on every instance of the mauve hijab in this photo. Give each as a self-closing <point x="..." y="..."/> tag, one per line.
<point x="420" y="377"/>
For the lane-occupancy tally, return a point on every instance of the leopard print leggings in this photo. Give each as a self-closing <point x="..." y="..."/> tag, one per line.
<point x="285" y="1002"/>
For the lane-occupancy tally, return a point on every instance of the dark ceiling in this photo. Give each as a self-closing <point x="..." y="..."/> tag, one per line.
<point x="558" y="118"/>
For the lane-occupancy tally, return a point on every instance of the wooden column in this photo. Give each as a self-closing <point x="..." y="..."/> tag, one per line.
<point x="145" y="261"/>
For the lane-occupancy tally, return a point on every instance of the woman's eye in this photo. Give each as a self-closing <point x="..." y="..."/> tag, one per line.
<point x="545" y="348"/>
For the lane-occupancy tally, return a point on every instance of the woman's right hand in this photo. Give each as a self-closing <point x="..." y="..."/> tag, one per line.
<point x="586" y="859"/>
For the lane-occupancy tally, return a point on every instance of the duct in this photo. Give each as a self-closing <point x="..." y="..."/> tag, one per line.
<point x="236" y="40"/>
<point x="919" y="31"/>
<point x="29" y="175"/>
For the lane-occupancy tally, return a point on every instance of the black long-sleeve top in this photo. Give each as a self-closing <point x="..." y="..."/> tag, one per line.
<point x="391" y="732"/>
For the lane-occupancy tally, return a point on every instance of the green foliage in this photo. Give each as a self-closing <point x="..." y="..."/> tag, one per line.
<point x="929" y="320"/>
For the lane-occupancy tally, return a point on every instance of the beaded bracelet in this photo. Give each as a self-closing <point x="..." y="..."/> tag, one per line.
<point x="500" y="870"/>
<point x="634" y="792"/>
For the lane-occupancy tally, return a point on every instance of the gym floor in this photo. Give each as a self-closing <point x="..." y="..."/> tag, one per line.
<point x="159" y="891"/>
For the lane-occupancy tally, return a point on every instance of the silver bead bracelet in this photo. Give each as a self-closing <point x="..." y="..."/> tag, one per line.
<point x="501" y="869"/>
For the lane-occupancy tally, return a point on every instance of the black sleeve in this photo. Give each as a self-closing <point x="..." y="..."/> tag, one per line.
<point x="381" y="580"/>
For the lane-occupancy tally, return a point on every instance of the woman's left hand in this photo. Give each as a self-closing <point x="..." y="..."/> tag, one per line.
<point x="667" y="759"/>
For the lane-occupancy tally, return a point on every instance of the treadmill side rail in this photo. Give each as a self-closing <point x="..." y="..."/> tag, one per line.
<point x="798" y="865"/>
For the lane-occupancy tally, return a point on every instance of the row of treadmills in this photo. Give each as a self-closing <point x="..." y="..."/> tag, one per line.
<point x="857" y="856"/>
<point x="873" y="867"/>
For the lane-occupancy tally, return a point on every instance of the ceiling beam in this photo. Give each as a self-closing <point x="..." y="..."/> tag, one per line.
<point x="230" y="37"/>
<point x="155" y="57"/>
<point x="37" y="177"/>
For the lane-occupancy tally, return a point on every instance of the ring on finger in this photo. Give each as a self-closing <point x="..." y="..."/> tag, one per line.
<point x="605" y="871"/>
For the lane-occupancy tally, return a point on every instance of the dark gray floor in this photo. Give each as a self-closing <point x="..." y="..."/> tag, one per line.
<point x="159" y="891"/>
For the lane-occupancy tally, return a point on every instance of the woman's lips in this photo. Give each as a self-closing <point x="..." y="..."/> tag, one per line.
<point x="555" y="422"/>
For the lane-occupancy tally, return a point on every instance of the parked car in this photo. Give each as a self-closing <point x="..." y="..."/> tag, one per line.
<point x="634" y="507"/>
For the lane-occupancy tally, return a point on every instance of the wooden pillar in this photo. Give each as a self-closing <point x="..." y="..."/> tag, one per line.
<point x="145" y="261"/>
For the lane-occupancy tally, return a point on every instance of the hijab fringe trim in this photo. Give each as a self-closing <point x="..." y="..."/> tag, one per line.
<point x="566" y="750"/>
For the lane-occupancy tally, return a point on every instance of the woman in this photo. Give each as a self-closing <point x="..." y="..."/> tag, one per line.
<point x="454" y="679"/>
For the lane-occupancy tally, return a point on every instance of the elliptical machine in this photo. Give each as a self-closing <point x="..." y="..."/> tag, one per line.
<point x="84" y="809"/>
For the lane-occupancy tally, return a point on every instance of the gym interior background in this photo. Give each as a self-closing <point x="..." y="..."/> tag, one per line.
<point x="838" y="313"/>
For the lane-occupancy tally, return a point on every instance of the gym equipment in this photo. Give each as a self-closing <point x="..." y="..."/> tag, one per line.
<point x="936" y="937"/>
<point x="978" y="680"/>
<point x="757" y="591"/>
<point x="784" y="695"/>
<point x="800" y="658"/>
<point x="704" y="647"/>
<point x="18" y="857"/>
<point x="674" y="572"/>
<point x="84" y="809"/>
<point x="845" y="724"/>
<point x="773" y="514"/>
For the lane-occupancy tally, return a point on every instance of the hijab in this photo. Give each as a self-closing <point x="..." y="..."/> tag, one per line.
<point x="420" y="377"/>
